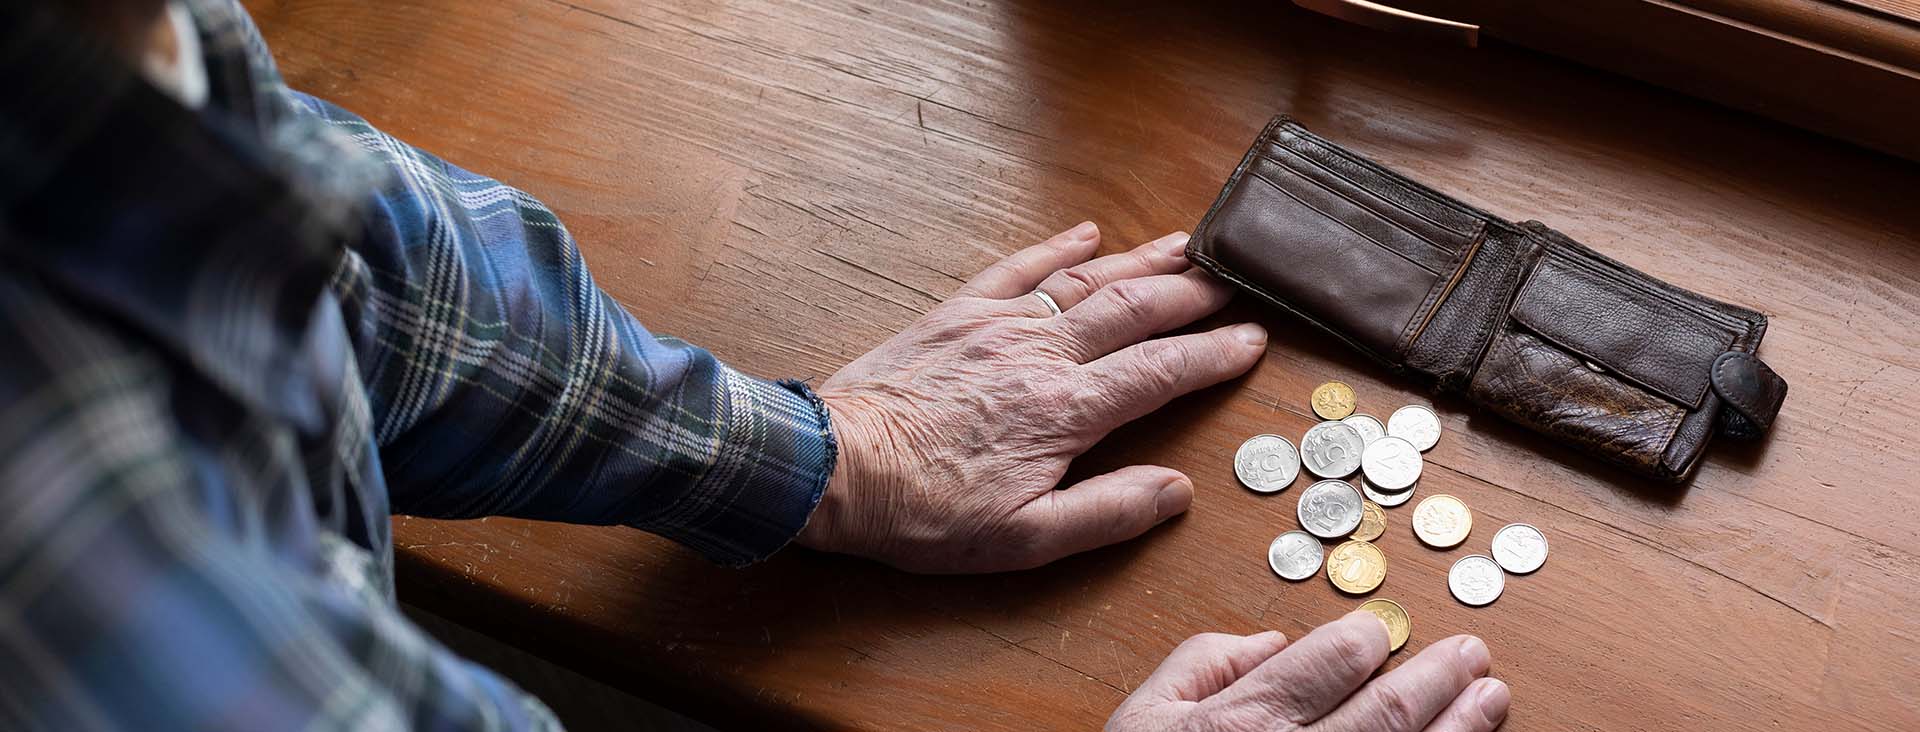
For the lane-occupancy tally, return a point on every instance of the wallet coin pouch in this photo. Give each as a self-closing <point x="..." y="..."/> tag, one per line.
<point x="1517" y="317"/>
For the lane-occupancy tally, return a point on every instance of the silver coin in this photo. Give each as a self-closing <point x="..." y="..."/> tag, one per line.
<point x="1476" y="580"/>
<point x="1370" y="428"/>
<point x="1295" y="555"/>
<point x="1266" y="463"/>
<point x="1332" y="450"/>
<point x="1415" y="424"/>
<point x="1392" y="464"/>
<point x="1519" y="548"/>
<point x="1385" y="499"/>
<point x="1329" y="509"/>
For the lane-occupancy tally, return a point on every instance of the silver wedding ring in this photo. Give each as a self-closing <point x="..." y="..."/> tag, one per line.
<point x="1047" y="300"/>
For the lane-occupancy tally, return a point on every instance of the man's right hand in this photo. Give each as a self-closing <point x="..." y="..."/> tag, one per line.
<point x="1216" y="682"/>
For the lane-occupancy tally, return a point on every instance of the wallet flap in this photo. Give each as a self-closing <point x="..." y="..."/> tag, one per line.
<point x="1640" y="334"/>
<point x="1752" y="389"/>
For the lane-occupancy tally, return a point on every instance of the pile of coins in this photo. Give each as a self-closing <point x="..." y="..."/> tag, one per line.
<point x="1388" y="459"/>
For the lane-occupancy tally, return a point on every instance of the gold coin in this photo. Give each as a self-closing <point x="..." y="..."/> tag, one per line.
<point x="1442" y="521"/>
<point x="1399" y="626"/>
<point x="1356" y="567"/>
<point x="1333" y="400"/>
<point x="1373" y="522"/>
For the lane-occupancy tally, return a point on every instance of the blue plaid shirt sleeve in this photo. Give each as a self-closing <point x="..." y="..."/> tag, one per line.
<point x="232" y="351"/>
<point x="504" y="382"/>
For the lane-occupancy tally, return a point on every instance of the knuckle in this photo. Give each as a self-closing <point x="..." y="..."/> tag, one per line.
<point x="1353" y="652"/>
<point x="1395" y="710"/>
<point x="1076" y="282"/>
<point x="1086" y="400"/>
<point x="1133" y="297"/>
<point x="1171" y="359"/>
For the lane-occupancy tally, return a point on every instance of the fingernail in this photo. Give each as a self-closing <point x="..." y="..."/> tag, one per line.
<point x="1474" y="655"/>
<point x="1173" y="498"/>
<point x="1174" y="245"/>
<point x="1495" y="697"/>
<point x="1083" y="232"/>
<point x="1251" y="334"/>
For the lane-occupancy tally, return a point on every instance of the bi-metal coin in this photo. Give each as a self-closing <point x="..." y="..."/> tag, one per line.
<point x="1333" y="400"/>
<point x="1519" y="548"/>
<point x="1399" y="625"/>
<point x="1266" y="463"/>
<point x="1329" y="509"/>
<point x="1356" y="567"/>
<point x="1331" y="450"/>
<point x="1442" y="521"/>
<point x="1391" y="463"/>
<point x="1294" y="555"/>
<point x="1476" y="580"/>
<point x="1415" y="424"/>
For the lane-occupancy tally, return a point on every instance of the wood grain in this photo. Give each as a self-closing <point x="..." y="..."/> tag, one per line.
<point x="788" y="183"/>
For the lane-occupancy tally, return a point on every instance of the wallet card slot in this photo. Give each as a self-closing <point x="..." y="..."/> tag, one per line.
<point x="1408" y="198"/>
<point x="1316" y="264"/>
<point x="1631" y="330"/>
<point x="1613" y="274"/>
<point x="1342" y="207"/>
<point x="1374" y="197"/>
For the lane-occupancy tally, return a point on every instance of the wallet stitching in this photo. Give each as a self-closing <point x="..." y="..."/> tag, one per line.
<point x="1466" y="257"/>
<point x="1483" y="333"/>
<point x="1638" y="281"/>
<point x="1374" y="210"/>
<point x="1673" y="417"/>
<point x="1424" y="191"/>
<point x="1214" y="266"/>
<point x="1200" y="237"/>
<point x="1734" y="316"/>
<point x="1424" y="313"/>
<point x="1343" y="224"/>
<point x="1694" y="402"/>
<point x="1413" y="186"/>
<point x="1677" y="418"/>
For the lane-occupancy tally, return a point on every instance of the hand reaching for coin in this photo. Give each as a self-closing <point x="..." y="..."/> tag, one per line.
<point x="1227" y="683"/>
<point x="955" y="433"/>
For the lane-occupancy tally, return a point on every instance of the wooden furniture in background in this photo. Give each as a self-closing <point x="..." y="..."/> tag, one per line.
<point x="788" y="183"/>
<point x="1846" y="68"/>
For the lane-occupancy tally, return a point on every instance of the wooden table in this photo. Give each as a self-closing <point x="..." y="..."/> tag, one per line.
<point x="787" y="183"/>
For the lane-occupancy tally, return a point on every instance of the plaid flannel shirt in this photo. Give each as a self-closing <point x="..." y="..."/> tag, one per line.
<point x="237" y="338"/>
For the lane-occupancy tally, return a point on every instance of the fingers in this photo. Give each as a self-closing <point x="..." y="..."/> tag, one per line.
<point x="1073" y="285"/>
<point x="1144" y="377"/>
<point x="1478" y="709"/>
<point x="1129" y="311"/>
<point x="1407" y="698"/>
<point x="1021" y="271"/>
<point x="1206" y="663"/>
<point x="1315" y="673"/>
<point x="1099" y="511"/>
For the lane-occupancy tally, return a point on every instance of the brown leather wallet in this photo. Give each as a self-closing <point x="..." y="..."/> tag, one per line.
<point x="1517" y="317"/>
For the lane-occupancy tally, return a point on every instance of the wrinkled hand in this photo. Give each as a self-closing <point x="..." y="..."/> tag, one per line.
<point x="1227" y="683"/>
<point x="955" y="432"/>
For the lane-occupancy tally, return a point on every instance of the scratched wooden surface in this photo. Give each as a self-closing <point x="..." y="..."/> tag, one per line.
<point x="789" y="182"/>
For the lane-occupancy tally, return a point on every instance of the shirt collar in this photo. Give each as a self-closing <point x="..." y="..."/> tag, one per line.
<point x="205" y="231"/>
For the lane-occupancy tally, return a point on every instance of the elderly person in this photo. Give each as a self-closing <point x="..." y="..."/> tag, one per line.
<point x="244" y="326"/>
